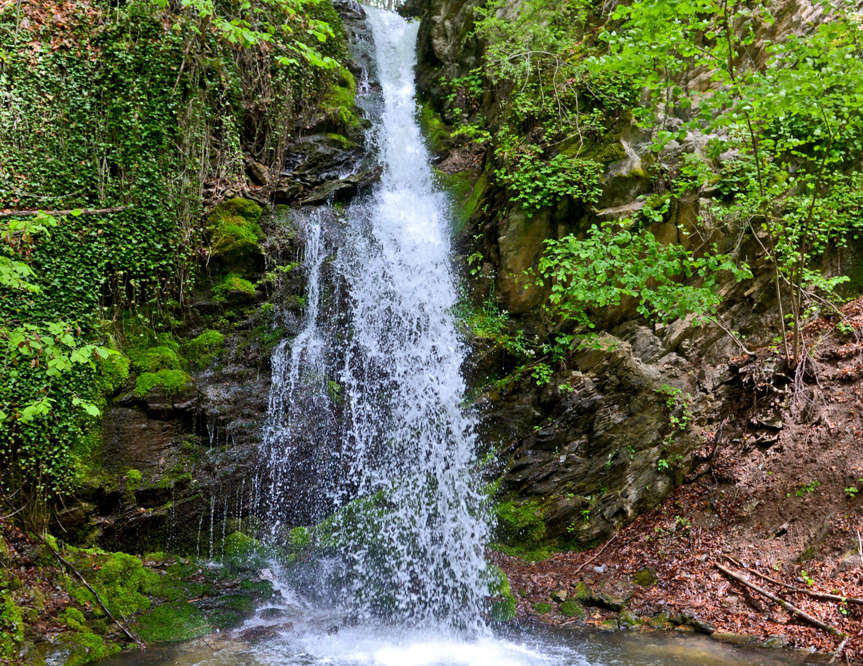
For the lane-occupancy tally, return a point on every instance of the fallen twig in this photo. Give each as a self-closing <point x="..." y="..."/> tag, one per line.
<point x="123" y="627"/>
<point x="801" y="590"/>
<point x="786" y="605"/>
<point x="79" y="211"/>
<point x="597" y="554"/>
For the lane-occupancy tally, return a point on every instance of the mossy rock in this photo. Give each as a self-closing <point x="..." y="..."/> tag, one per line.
<point x="572" y="608"/>
<point x="203" y="349"/>
<point x="466" y="190"/>
<point x="113" y="372"/>
<point x="436" y="131"/>
<point x="159" y="357"/>
<point x="170" y="382"/>
<point x="543" y="607"/>
<point x="238" y="206"/>
<point x="235" y="236"/>
<point x="339" y="104"/>
<point x="582" y="592"/>
<point x="646" y="577"/>
<point x="502" y="602"/>
<point x="122" y="581"/>
<point x="173" y="622"/>
<point x="234" y="288"/>
<point x="74" y="619"/>
<point x="86" y="647"/>
<point x="627" y="620"/>
<point x="11" y="627"/>
<point x="242" y="552"/>
<point x="521" y="529"/>
<point x="133" y="478"/>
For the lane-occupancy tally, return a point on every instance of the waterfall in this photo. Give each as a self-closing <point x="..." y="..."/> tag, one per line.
<point x="366" y="421"/>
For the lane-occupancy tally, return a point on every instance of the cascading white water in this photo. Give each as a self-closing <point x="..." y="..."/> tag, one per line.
<point x="396" y="449"/>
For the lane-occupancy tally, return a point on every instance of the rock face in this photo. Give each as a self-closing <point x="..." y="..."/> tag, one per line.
<point x="178" y="467"/>
<point x="620" y="424"/>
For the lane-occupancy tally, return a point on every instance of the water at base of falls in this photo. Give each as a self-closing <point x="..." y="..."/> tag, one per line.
<point x="367" y="435"/>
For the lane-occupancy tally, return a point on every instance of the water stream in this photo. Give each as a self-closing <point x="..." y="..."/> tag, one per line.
<point x="366" y="418"/>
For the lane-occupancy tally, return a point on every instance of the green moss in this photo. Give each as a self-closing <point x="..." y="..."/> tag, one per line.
<point x="113" y="372"/>
<point x="171" y="382"/>
<point x="645" y="577"/>
<point x="233" y="284"/>
<point x="543" y="607"/>
<point x="238" y="206"/>
<point x="74" y="619"/>
<point x="204" y="348"/>
<point x="340" y="101"/>
<point x="235" y="235"/>
<point x="436" y="131"/>
<point x="87" y="647"/>
<point x="121" y="580"/>
<point x="172" y="622"/>
<point x="133" y="478"/>
<point x="521" y="529"/>
<point x="152" y="359"/>
<point x="502" y="608"/>
<point x="571" y="608"/>
<point x="466" y="192"/>
<point x="340" y="139"/>
<point x="240" y="551"/>
<point x="582" y="592"/>
<point x="11" y="627"/>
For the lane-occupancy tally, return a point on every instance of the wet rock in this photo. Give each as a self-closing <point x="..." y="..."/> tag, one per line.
<point x="686" y="617"/>
<point x="627" y="620"/>
<point x="272" y="613"/>
<point x="743" y="640"/>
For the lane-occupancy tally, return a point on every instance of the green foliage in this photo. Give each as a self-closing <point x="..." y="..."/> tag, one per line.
<point x="128" y="107"/>
<point x="807" y="488"/>
<point x="543" y="607"/>
<point x="536" y="182"/>
<point x="794" y="124"/>
<point x="616" y="261"/>
<point x="548" y="99"/>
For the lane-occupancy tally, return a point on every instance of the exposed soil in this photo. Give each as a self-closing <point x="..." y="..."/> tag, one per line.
<point x="777" y="490"/>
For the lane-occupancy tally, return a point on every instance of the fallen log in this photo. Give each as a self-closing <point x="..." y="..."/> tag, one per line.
<point x="802" y="590"/>
<point x="785" y="604"/>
